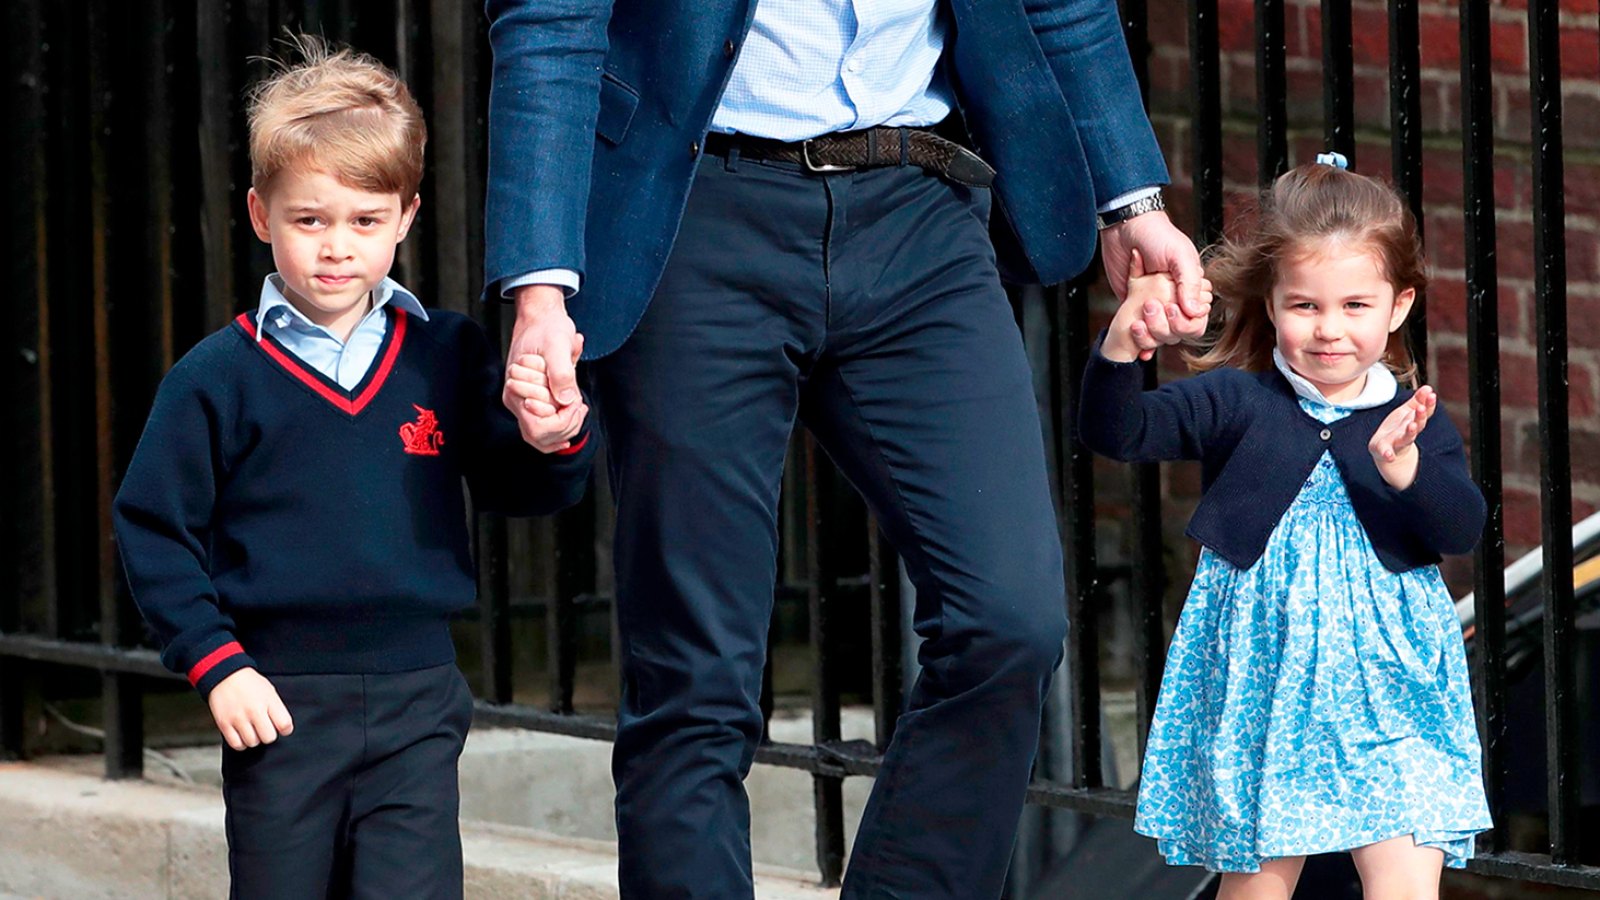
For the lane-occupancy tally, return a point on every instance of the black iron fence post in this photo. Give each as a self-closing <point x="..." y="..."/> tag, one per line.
<point x="1483" y="373"/>
<point x="1555" y="462"/>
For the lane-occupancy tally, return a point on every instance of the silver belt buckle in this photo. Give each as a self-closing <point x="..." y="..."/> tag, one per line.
<point x="805" y="158"/>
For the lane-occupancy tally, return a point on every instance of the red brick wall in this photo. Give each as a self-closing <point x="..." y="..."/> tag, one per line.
<point x="1171" y="103"/>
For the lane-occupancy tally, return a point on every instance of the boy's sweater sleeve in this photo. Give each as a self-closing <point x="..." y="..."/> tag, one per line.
<point x="505" y="473"/>
<point x="1118" y="418"/>
<point x="1443" y="505"/>
<point x="162" y="517"/>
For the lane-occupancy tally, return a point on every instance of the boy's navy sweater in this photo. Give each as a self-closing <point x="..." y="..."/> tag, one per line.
<point x="1257" y="447"/>
<point x="270" y="518"/>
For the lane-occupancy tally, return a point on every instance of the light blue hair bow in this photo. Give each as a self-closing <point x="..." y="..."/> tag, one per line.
<point x="1333" y="158"/>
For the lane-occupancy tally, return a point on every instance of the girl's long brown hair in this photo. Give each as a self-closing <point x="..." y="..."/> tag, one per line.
<point x="1305" y="206"/>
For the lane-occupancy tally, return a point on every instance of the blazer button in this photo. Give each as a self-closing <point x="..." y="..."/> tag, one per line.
<point x="1327" y="434"/>
<point x="694" y="148"/>
<point x="728" y="48"/>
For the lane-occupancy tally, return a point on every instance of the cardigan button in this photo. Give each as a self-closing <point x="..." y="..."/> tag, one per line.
<point x="1327" y="434"/>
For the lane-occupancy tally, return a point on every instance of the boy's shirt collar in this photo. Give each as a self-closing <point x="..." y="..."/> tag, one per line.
<point x="1380" y="388"/>
<point x="275" y="308"/>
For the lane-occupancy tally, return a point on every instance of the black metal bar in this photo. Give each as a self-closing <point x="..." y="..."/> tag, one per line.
<point x="1483" y="375"/>
<point x="1555" y="461"/>
<point x="1405" y="131"/>
<point x="122" y="696"/>
<point x="123" y="717"/>
<point x="85" y="655"/>
<point x="822" y="569"/>
<point x="888" y="680"/>
<point x="1536" y="867"/>
<point x="12" y="700"/>
<point x="1338" y="79"/>
<point x="1205" y="73"/>
<point x="1136" y="30"/>
<point x="450" y="145"/>
<point x="71" y="412"/>
<point x="1077" y="501"/>
<point x="30" y="520"/>
<point x="214" y="76"/>
<point x="575" y="562"/>
<point x="1148" y="585"/>
<point x="1272" y="145"/>
<point x="22" y="105"/>
<point x="1149" y="572"/>
<point x="494" y="608"/>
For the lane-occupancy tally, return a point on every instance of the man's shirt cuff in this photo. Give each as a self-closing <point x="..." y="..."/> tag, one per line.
<point x="566" y="279"/>
<point x="1122" y="200"/>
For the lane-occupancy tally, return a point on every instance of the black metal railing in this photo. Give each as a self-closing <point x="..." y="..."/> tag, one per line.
<point x="125" y="244"/>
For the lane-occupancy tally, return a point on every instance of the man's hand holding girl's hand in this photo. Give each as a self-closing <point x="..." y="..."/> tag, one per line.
<point x="1151" y="316"/>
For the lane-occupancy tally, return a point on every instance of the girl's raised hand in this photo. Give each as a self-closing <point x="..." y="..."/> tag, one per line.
<point x="1393" y="445"/>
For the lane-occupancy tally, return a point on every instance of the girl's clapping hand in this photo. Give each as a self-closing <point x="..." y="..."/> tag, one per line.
<point x="1394" y="445"/>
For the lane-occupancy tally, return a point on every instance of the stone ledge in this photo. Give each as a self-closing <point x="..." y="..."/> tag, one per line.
<point x="69" y="833"/>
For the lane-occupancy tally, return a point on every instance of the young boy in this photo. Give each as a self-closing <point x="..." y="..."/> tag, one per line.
<point x="293" y="524"/>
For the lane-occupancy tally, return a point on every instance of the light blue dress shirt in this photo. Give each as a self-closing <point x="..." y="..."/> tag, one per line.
<point x="346" y="361"/>
<point x="813" y="67"/>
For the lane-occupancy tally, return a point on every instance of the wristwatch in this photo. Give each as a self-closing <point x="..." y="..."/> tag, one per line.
<point x="1121" y="214"/>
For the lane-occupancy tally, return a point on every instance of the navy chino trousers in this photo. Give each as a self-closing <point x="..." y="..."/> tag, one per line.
<point x="866" y="305"/>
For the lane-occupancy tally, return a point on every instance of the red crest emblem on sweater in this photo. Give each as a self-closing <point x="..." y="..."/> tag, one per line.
<point x="423" y="436"/>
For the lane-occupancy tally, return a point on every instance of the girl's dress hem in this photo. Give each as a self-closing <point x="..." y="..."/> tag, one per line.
<point x="1455" y="844"/>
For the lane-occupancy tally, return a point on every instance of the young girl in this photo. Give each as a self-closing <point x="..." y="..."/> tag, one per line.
<point x="1316" y="695"/>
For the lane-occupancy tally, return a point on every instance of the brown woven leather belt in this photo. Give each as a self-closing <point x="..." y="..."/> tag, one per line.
<point x="846" y="151"/>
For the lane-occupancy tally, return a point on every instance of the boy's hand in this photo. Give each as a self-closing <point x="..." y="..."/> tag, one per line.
<point x="1151" y="317"/>
<point x="248" y="711"/>
<point x="543" y="424"/>
<point x="1394" y="444"/>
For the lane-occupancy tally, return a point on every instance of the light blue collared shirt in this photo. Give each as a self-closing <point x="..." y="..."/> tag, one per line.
<point x="347" y="361"/>
<point x="811" y="67"/>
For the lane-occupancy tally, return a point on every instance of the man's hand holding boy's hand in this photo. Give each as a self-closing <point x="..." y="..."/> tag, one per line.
<point x="248" y="711"/>
<point x="1151" y="316"/>
<point x="546" y="426"/>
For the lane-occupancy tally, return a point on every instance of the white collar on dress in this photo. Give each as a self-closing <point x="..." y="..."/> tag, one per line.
<point x="1380" y="388"/>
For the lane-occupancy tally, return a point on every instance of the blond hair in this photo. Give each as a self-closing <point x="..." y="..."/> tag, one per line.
<point x="1305" y="206"/>
<point x="341" y="112"/>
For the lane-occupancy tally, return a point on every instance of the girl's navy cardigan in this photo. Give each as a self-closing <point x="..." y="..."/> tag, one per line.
<point x="271" y="518"/>
<point x="1257" y="447"/>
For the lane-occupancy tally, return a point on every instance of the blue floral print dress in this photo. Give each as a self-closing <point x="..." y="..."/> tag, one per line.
<point x="1313" y="702"/>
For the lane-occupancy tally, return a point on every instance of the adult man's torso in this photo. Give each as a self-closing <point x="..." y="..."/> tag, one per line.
<point x="672" y="70"/>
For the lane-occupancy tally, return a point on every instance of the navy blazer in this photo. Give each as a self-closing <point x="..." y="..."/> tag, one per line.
<point x="1257" y="447"/>
<point x="599" y="109"/>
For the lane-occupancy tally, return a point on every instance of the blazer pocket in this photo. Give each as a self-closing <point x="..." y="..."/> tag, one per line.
<point x="618" y="102"/>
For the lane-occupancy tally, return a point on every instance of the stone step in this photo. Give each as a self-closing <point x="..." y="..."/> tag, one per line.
<point x="68" y="833"/>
